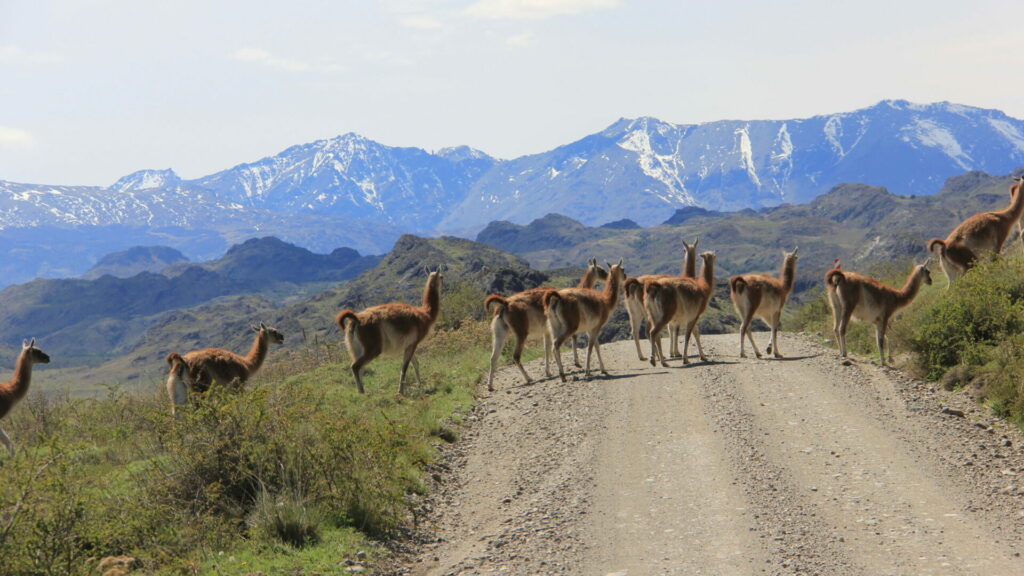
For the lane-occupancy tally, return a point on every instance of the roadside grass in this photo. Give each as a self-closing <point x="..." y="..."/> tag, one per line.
<point x="292" y="476"/>
<point x="970" y="336"/>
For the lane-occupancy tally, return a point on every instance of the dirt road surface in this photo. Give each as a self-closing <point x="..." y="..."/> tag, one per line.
<point x="733" y="467"/>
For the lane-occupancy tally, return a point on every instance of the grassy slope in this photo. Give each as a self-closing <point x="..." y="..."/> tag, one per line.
<point x="117" y="475"/>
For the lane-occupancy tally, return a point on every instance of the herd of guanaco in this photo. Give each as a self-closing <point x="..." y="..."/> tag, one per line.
<point x="660" y="301"/>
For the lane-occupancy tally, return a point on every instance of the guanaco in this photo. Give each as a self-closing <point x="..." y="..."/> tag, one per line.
<point x="634" y="292"/>
<point x="12" y="391"/>
<point x="679" y="300"/>
<point x="199" y="369"/>
<point x="867" y="299"/>
<point x="573" y="310"/>
<point x="391" y="329"/>
<point x="522" y="314"/>
<point x="763" y="296"/>
<point x="982" y="233"/>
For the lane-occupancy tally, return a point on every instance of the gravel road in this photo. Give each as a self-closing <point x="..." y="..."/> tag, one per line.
<point x="737" y="466"/>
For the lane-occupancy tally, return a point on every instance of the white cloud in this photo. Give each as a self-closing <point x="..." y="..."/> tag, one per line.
<point x="260" y="56"/>
<point x="15" y="138"/>
<point x="534" y="9"/>
<point x="520" y="40"/>
<point x="16" y="54"/>
<point x="421" y="22"/>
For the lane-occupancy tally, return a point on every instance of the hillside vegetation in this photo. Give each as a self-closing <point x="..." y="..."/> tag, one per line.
<point x="294" y="475"/>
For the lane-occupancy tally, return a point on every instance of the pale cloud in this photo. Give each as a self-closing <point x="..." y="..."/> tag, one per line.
<point x="520" y="40"/>
<point x="11" y="138"/>
<point x="421" y="22"/>
<point x="10" y="53"/>
<point x="534" y="9"/>
<point x="260" y="56"/>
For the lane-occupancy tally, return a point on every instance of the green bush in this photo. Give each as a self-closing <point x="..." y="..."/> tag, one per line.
<point x="963" y="324"/>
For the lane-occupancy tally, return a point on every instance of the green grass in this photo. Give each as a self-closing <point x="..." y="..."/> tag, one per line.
<point x="292" y="476"/>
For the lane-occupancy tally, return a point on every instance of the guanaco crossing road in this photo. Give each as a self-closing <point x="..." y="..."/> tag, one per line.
<point x="736" y="467"/>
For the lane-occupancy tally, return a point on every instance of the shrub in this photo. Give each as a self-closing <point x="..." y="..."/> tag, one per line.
<point x="963" y="324"/>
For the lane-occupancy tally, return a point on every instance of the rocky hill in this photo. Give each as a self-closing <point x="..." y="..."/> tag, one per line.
<point x="90" y="321"/>
<point x="132" y="261"/>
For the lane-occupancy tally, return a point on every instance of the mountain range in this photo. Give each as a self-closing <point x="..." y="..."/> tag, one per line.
<point x="352" y="191"/>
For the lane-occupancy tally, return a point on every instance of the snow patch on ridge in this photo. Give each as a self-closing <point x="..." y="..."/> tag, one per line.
<point x="747" y="155"/>
<point x="933" y="135"/>
<point x="833" y="133"/>
<point x="1008" y="131"/>
<point x="663" y="168"/>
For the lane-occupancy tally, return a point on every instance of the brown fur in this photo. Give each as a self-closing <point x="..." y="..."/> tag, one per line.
<point x="12" y="391"/>
<point x="523" y="314"/>
<point x="197" y="370"/>
<point x="982" y="233"/>
<point x="575" y="310"/>
<point x="855" y="295"/>
<point x="763" y="296"/>
<point x="634" y="292"/>
<point x="680" y="301"/>
<point x="391" y="329"/>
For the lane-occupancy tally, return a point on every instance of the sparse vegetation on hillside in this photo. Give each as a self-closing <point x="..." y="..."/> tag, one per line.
<point x="297" y="473"/>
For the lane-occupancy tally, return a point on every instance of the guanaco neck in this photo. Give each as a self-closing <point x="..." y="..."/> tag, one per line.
<point x="708" y="272"/>
<point x="1016" y="208"/>
<point x="690" y="264"/>
<point x="19" y="383"/>
<point x="432" y="298"/>
<point x="611" y="290"/>
<point x="258" y="353"/>
<point x="589" y="278"/>
<point x="788" y="274"/>
<point x="910" y="288"/>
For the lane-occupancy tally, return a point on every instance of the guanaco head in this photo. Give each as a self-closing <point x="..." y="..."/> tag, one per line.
<point x="594" y="272"/>
<point x="791" y="256"/>
<point x="272" y="334"/>
<point x="616" y="271"/>
<point x="691" y="249"/>
<point x="922" y="271"/>
<point x="35" y="355"/>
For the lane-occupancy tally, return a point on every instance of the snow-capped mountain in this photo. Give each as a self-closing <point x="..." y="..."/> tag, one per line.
<point x="642" y="169"/>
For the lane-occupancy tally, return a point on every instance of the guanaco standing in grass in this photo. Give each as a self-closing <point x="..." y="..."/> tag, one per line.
<point x="199" y="369"/>
<point x="391" y="329"/>
<point x="573" y="310"/>
<point x="858" y="296"/>
<point x="12" y="391"/>
<point x="522" y="314"/>
<point x="982" y="233"/>
<point x="763" y="296"/>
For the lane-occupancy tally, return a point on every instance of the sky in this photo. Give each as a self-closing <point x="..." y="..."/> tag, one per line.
<point x="91" y="90"/>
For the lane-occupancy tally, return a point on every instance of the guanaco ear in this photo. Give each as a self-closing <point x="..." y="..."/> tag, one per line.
<point x="696" y="241"/>
<point x="620" y="262"/>
<point x="254" y="328"/>
<point x="262" y="326"/>
<point x="24" y="344"/>
<point x="795" y="250"/>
